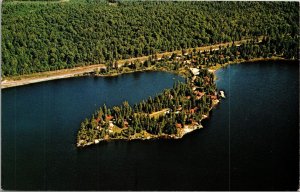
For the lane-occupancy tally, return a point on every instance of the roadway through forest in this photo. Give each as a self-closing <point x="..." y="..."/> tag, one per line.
<point x="66" y="73"/>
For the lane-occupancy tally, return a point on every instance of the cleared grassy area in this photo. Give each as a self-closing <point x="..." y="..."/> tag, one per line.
<point x="116" y="129"/>
<point x="159" y="113"/>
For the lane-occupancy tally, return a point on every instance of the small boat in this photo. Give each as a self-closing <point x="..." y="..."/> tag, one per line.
<point x="222" y="94"/>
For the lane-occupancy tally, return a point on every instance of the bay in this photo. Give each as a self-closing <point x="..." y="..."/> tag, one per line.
<point x="250" y="141"/>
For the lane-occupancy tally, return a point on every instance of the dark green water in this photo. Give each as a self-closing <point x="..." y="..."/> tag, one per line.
<point x="249" y="143"/>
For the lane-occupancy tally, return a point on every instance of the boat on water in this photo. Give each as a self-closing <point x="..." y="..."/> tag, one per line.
<point x="222" y="94"/>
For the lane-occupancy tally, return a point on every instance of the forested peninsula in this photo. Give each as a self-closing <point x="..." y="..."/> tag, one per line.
<point x="192" y="39"/>
<point x="176" y="111"/>
<point x="170" y="114"/>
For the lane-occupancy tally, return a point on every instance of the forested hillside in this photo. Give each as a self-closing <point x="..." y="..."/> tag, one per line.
<point x="49" y="36"/>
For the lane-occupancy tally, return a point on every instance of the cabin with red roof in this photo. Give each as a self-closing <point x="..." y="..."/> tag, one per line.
<point x="109" y="117"/>
<point x="126" y="123"/>
<point x="213" y="97"/>
<point x="192" y="111"/>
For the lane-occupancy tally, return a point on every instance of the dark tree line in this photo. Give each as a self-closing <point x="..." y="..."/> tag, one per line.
<point x="49" y="36"/>
<point x="283" y="47"/>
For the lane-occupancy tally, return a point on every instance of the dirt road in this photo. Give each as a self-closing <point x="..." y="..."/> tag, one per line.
<point x="66" y="73"/>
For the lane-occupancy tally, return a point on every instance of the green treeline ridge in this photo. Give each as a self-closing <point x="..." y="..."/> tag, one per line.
<point x="52" y="36"/>
<point x="285" y="48"/>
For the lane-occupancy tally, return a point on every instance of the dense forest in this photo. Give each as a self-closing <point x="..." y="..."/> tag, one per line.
<point x="267" y="48"/>
<point x="49" y="36"/>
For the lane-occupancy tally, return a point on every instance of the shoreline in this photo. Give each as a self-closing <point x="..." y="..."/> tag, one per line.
<point x="78" y="72"/>
<point x="239" y="61"/>
<point x="189" y="128"/>
<point x="184" y="131"/>
<point x="154" y="137"/>
<point x="137" y="71"/>
<point x="14" y="81"/>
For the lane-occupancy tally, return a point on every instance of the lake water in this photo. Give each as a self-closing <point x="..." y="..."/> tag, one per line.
<point x="250" y="141"/>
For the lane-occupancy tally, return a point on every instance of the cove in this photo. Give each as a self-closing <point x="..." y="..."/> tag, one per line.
<point x="40" y="122"/>
<point x="249" y="142"/>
